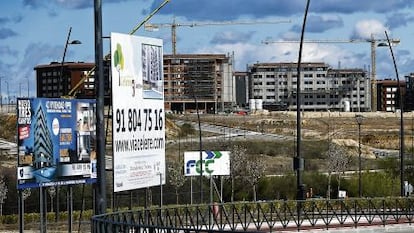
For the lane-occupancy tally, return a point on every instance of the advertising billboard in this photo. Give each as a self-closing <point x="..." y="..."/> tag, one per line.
<point x="216" y="163"/>
<point x="138" y="112"/>
<point x="56" y="142"/>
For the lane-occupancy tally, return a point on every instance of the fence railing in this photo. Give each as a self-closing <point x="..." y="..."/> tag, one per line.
<point x="265" y="216"/>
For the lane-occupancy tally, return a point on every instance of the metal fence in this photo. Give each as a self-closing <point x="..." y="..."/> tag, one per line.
<point x="265" y="216"/>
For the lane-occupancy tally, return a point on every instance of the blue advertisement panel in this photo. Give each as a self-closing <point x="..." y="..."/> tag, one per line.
<point x="56" y="142"/>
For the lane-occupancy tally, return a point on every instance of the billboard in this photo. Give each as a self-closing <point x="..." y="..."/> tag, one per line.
<point x="56" y="142"/>
<point x="138" y="125"/>
<point x="216" y="163"/>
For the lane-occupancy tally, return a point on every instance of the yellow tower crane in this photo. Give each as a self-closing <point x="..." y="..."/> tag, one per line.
<point x="374" y="42"/>
<point x="174" y="25"/>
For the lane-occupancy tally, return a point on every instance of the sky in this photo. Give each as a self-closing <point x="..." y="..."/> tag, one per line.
<point x="34" y="32"/>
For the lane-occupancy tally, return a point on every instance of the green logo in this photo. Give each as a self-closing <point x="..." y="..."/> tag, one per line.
<point x="119" y="61"/>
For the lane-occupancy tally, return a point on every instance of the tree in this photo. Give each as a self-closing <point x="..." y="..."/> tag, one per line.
<point x="176" y="176"/>
<point x="238" y="157"/>
<point x="254" y="170"/>
<point x="338" y="161"/>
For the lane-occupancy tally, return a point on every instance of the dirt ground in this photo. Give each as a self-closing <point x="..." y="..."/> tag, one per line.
<point x="380" y="131"/>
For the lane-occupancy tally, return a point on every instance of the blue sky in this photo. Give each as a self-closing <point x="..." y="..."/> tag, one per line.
<point x="34" y="32"/>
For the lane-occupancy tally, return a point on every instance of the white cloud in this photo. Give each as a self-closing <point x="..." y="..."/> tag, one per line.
<point x="365" y="28"/>
<point x="286" y="52"/>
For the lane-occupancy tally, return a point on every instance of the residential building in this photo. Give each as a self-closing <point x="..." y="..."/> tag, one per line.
<point x="409" y="93"/>
<point x="77" y="80"/>
<point x="322" y="87"/>
<point x="388" y="94"/>
<point x="203" y="78"/>
<point x="241" y="88"/>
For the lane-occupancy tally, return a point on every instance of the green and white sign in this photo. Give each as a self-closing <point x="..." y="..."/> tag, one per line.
<point x="215" y="163"/>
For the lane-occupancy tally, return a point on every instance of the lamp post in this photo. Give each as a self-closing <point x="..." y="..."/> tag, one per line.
<point x="68" y="42"/>
<point x="359" y="118"/>
<point x="60" y="92"/>
<point x="8" y="94"/>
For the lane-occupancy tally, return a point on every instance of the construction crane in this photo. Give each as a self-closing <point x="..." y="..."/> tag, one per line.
<point x="174" y="25"/>
<point x="374" y="42"/>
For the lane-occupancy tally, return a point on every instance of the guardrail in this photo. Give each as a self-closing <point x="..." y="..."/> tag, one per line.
<point x="264" y="216"/>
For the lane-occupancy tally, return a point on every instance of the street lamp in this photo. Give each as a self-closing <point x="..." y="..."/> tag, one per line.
<point x="8" y="94"/>
<point x="359" y="118"/>
<point x="68" y="42"/>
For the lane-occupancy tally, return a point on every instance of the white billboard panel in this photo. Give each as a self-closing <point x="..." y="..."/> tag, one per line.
<point x="216" y="163"/>
<point x="138" y="112"/>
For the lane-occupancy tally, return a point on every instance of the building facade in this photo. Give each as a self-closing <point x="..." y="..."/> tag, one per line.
<point x="202" y="78"/>
<point x="409" y="93"/>
<point x="242" y="89"/>
<point x="77" y="80"/>
<point x="321" y="87"/>
<point x="388" y="95"/>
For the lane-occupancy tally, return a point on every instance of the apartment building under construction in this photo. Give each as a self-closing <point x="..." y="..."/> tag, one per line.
<point x="322" y="88"/>
<point x="205" y="79"/>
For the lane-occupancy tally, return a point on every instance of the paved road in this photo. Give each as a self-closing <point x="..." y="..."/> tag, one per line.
<point x="225" y="132"/>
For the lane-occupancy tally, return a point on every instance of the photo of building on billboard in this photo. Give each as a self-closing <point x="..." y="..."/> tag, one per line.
<point x="152" y="72"/>
<point x="56" y="142"/>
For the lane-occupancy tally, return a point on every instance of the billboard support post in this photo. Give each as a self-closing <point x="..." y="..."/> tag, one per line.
<point x="21" y="211"/>
<point x="100" y="205"/>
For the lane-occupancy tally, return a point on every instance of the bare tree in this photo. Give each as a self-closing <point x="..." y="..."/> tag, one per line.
<point x="238" y="158"/>
<point x="255" y="169"/>
<point x="176" y="176"/>
<point x="338" y="161"/>
<point x="3" y="193"/>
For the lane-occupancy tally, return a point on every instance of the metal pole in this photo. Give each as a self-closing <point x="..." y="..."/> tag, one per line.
<point x="191" y="190"/>
<point x="161" y="190"/>
<point x="21" y="211"/>
<point x="57" y="203"/>
<point x="100" y="186"/>
<point x="70" y="208"/>
<point x="359" y="161"/>
<point x="8" y="95"/>
<point x="373" y="76"/>
<point x="402" y="191"/>
<point x="63" y="61"/>
<point x="42" y="210"/>
<point x="299" y="159"/>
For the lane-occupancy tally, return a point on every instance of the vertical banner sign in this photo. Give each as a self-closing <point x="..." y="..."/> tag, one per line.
<point x="138" y="112"/>
<point x="56" y="142"/>
<point x="215" y="163"/>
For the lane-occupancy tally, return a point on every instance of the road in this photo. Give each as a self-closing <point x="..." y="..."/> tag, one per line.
<point x="224" y="132"/>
